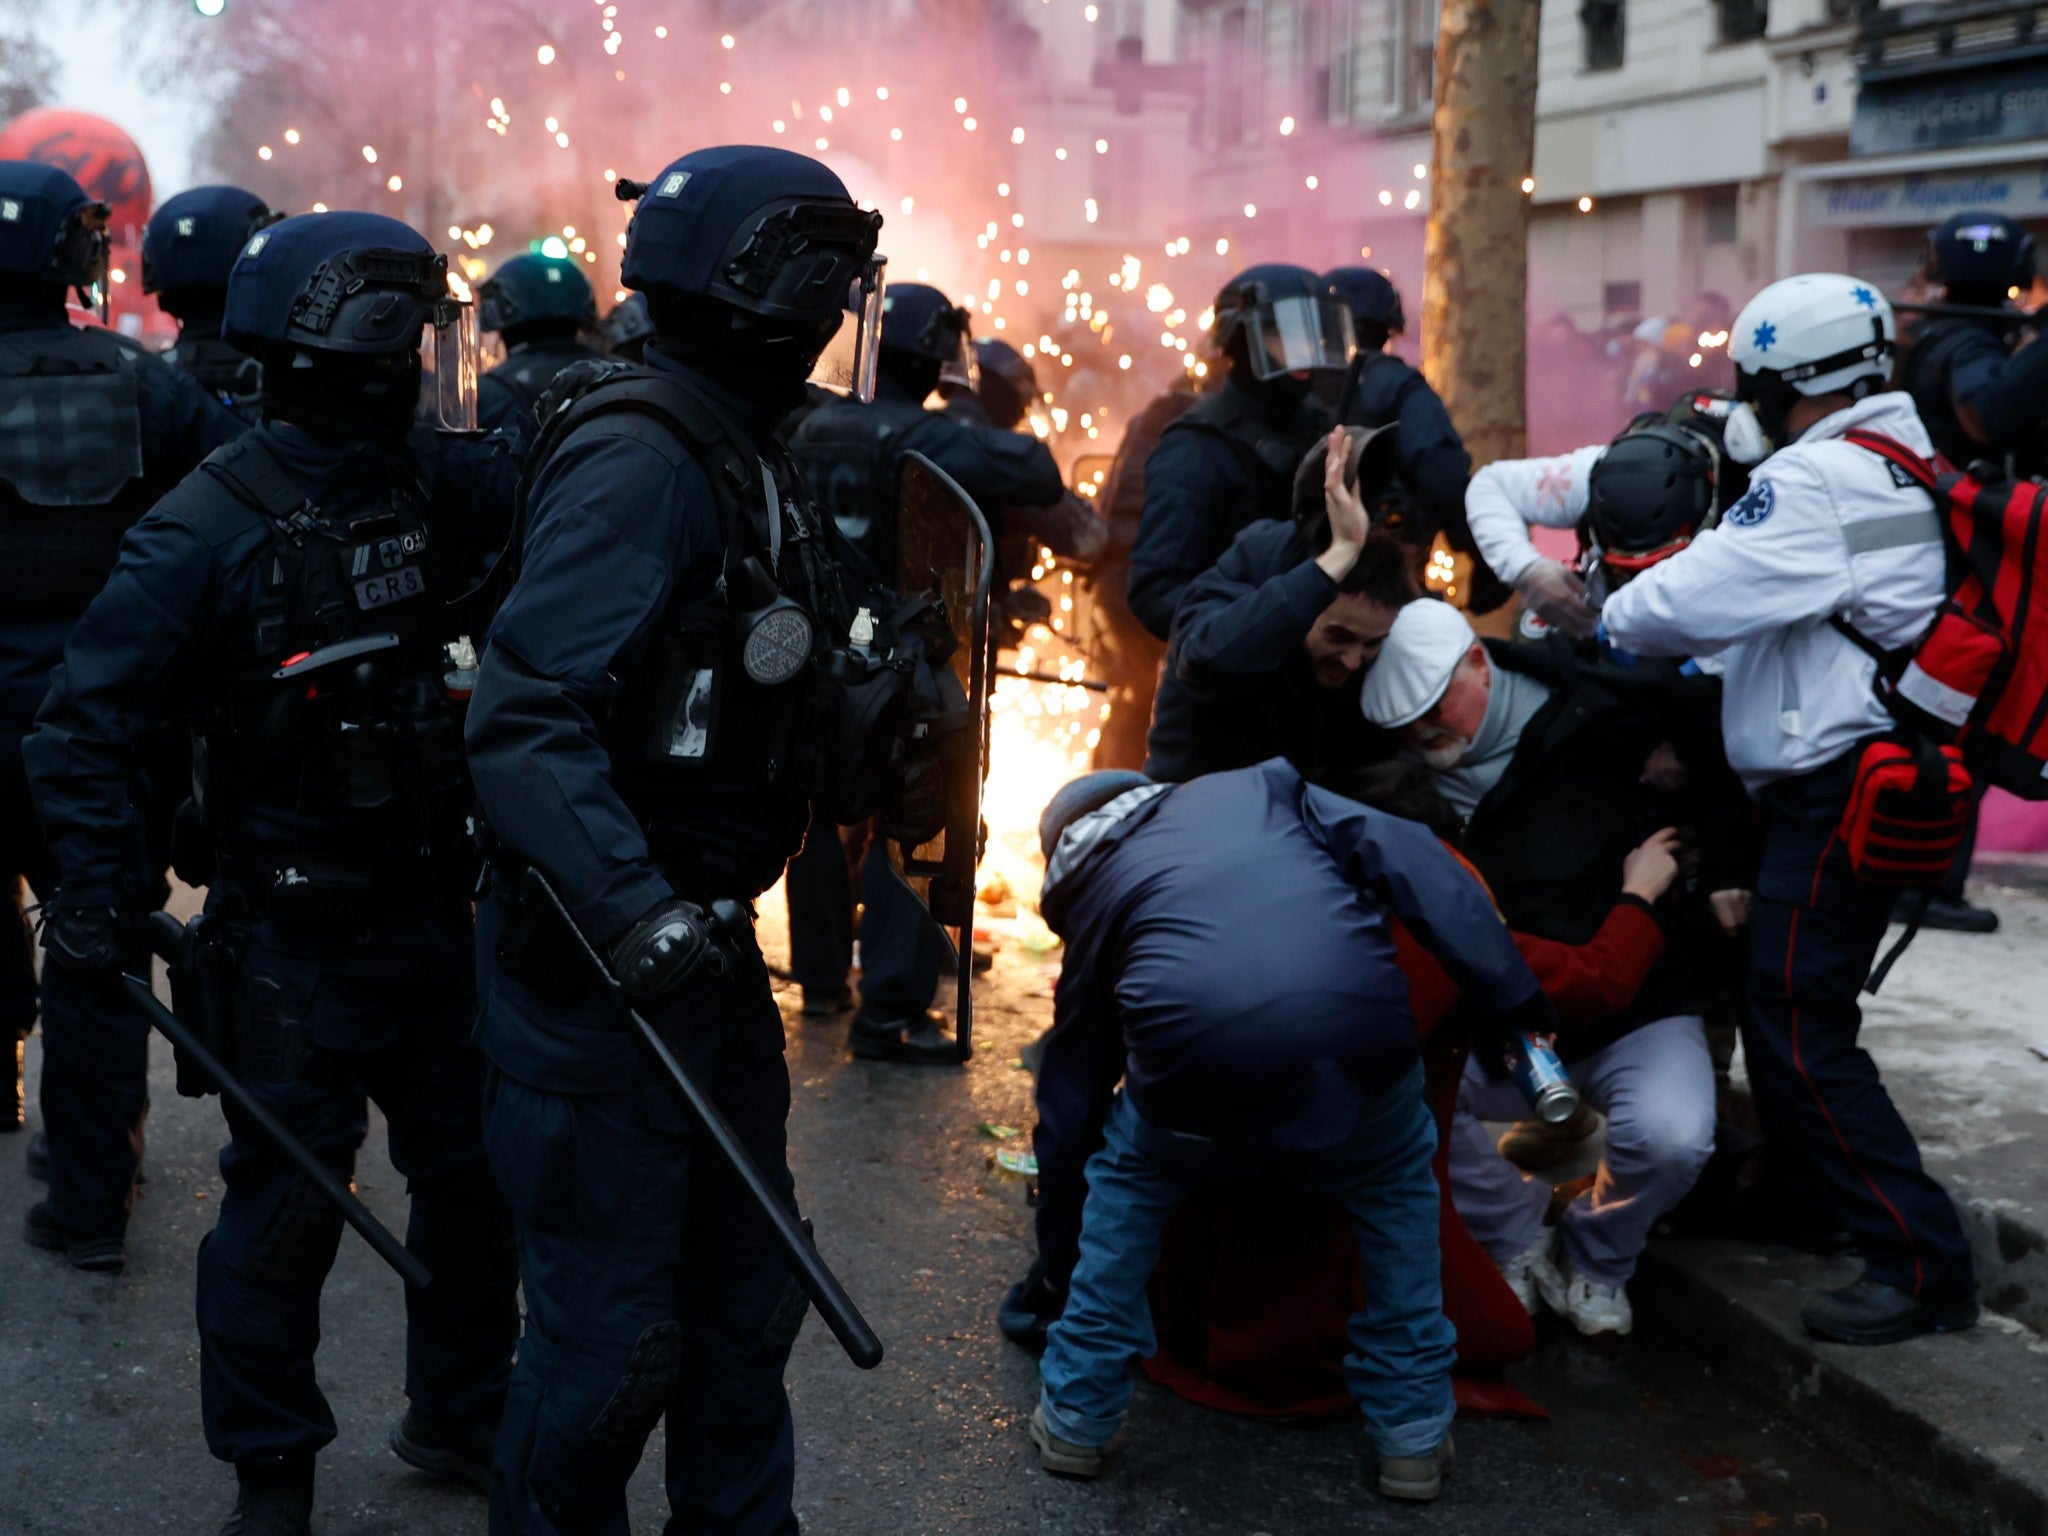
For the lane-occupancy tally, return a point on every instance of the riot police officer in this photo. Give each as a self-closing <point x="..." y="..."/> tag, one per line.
<point x="188" y="246"/>
<point x="1005" y="385"/>
<point x="633" y="750"/>
<point x="98" y="429"/>
<point x="627" y="329"/>
<point x="1979" y="396"/>
<point x="1230" y="458"/>
<point x="540" y="306"/>
<point x="1383" y="391"/>
<point x="849" y="453"/>
<point x="299" y="600"/>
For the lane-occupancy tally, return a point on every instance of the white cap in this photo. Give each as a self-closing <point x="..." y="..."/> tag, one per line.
<point x="1650" y="332"/>
<point x="1414" y="667"/>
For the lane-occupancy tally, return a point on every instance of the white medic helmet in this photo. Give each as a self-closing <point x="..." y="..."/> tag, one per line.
<point x="1820" y="333"/>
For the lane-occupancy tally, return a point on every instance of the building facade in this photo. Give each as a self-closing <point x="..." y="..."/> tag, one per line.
<point x="1683" y="147"/>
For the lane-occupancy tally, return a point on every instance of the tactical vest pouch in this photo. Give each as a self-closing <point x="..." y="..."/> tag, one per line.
<point x="204" y="977"/>
<point x="851" y="721"/>
<point x="538" y="952"/>
<point x="1909" y="806"/>
<point x="70" y="463"/>
<point x="71" y="439"/>
<point x="675" y="721"/>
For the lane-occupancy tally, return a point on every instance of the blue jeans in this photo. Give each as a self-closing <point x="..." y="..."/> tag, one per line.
<point x="1402" y="1345"/>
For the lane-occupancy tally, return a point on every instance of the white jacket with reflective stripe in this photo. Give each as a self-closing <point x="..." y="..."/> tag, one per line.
<point x="1826" y="529"/>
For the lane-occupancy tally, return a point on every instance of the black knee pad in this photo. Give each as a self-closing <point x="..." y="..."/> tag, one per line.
<point x="641" y="1397"/>
<point x="300" y="1243"/>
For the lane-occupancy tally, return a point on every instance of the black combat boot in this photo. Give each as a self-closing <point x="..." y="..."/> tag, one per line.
<point x="1871" y="1312"/>
<point x="277" y="1497"/>
<point x="921" y="1039"/>
<point x="454" y="1450"/>
<point x="100" y="1253"/>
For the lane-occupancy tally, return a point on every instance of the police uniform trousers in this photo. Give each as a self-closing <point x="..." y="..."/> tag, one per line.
<point x="818" y="889"/>
<point x="653" y="1289"/>
<point x="325" y="1026"/>
<point x="1831" y="1129"/>
<point x="24" y="861"/>
<point x="94" y="1093"/>
<point x="902" y="951"/>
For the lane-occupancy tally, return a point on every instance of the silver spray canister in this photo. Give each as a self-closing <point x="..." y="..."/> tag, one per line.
<point x="1541" y="1077"/>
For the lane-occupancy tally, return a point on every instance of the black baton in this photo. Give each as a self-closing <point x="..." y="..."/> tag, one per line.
<point x="819" y="1283"/>
<point x="165" y="934"/>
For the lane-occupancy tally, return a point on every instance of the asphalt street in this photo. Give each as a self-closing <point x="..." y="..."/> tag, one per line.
<point x="99" y="1424"/>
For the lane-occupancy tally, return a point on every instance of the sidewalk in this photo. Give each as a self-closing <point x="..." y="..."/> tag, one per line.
<point x="1958" y="1424"/>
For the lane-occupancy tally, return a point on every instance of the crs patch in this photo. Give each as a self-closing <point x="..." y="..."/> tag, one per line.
<point x="1754" y="507"/>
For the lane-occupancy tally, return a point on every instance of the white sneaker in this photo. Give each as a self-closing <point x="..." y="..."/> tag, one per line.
<point x="1519" y="1272"/>
<point x="1592" y="1308"/>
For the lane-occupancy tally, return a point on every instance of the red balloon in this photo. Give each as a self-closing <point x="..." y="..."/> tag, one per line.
<point x="103" y="159"/>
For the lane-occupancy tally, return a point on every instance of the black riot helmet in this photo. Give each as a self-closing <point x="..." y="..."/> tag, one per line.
<point x="927" y="339"/>
<point x="190" y="244"/>
<point x="1275" y="321"/>
<point x="628" y="328"/>
<point x="533" y="294"/>
<point x="751" y="259"/>
<point x="53" y="236"/>
<point x="1649" y="494"/>
<point x="1008" y="386"/>
<point x="1979" y="257"/>
<point x="348" y="312"/>
<point x="1374" y="302"/>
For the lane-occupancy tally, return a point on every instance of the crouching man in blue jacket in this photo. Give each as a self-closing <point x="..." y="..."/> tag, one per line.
<point x="1228" y="954"/>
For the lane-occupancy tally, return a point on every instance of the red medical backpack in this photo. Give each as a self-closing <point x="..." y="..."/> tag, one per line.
<point x="1978" y="679"/>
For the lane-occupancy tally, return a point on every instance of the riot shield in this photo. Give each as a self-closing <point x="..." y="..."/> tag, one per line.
<point x="943" y="547"/>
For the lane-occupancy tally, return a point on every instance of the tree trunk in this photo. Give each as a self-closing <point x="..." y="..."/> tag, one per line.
<point x="1476" y="252"/>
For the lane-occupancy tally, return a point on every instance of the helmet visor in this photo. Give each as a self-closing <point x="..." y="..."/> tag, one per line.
<point x="450" y="363"/>
<point x="847" y="365"/>
<point x="961" y="371"/>
<point x="83" y="259"/>
<point x="1299" y="334"/>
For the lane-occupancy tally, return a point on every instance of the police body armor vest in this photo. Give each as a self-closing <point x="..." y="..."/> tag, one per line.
<point x="692" y="720"/>
<point x="232" y="377"/>
<point x="1269" y="453"/>
<point x="343" y="705"/>
<point x="71" y="470"/>
<point x="848" y="452"/>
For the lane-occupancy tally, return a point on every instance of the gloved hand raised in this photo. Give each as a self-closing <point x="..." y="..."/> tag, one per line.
<point x="95" y="943"/>
<point x="1558" y="598"/>
<point x="664" y="948"/>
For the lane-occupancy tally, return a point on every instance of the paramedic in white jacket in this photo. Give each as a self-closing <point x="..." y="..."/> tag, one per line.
<point x="1825" y="529"/>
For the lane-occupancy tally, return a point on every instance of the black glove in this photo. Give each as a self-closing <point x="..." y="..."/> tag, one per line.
<point x="665" y="948"/>
<point x="95" y="943"/>
<point x="915" y="809"/>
